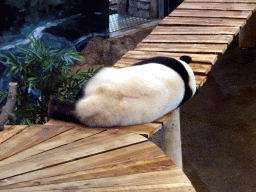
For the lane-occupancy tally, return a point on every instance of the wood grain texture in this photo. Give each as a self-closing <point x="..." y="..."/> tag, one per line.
<point x="164" y="118"/>
<point x="211" y="13"/>
<point x="151" y="180"/>
<point x="127" y="160"/>
<point x="195" y="30"/>
<point x="200" y="69"/>
<point x="146" y="130"/>
<point x="218" y="6"/>
<point x="28" y="138"/>
<point x="111" y="160"/>
<point x="188" y="39"/>
<point x="200" y="80"/>
<point x="78" y="149"/>
<point x="72" y="135"/>
<point x="130" y="56"/>
<point x="222" y="1"/>
<point x="10" y="131"/>
<point x="200" y="21"/>
<point x="183" y="48"/>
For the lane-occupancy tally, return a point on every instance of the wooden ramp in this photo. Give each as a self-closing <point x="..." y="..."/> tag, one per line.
<point x="61" y="156"/>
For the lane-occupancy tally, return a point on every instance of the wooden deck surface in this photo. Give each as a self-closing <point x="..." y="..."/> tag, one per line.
<point x="202" y="29"/>
<point x="61" y="156"/>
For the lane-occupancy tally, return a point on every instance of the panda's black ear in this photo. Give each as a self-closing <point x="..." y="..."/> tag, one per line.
<point x="187" y="59"/>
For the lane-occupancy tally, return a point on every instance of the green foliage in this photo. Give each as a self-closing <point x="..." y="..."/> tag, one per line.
<point x="46" y="70"/>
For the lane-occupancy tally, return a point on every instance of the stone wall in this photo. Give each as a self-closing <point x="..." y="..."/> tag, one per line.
<point x="139" y="8"/>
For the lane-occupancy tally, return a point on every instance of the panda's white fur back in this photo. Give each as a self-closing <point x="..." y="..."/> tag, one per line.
<point x="133" y="95"/>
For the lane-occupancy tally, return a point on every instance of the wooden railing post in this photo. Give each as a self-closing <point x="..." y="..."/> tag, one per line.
<point x="172" y="138"/>
<point x="247" y="35"/>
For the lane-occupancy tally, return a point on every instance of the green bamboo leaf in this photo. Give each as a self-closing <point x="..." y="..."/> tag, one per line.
<point x="23" y="49"/>
<point x="32" y="78"/>
<point x="36" y="54"/>
<point x="12" y="69"/>
<point x="32" y="41"/>
<point x="3" y="94"/>
<point x="4" y="56"/>
<point x="28" y="121"/>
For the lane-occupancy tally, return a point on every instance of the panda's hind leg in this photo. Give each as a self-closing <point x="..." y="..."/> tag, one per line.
<point x="62" y="110"/>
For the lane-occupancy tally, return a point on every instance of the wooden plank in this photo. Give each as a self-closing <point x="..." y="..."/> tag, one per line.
<point x="197" y="58"/>
<point x="221" y="1"/>
<point x="135" y="182"/>
<point x="11" y="130"/>
<point x="193" y="21"/>
<point x="164" y="118"/>
<point x="195" y="30"/>
<point x="211" y="13"/>
<point x="200" y="80"/>
<point x="78" y="132"/>
<point x="218" y="6"/>
<point x="79" y="149"/>
<point x="197" y="68"/>
<point x="188" y="39"/>
<point x="200" y="68"/>
<point x="146" y="130"/>
<point x="28" y="138"/>
<point x="183" y="48"/>
<point x="161" y="163"/>
<point x="141" y="152"/>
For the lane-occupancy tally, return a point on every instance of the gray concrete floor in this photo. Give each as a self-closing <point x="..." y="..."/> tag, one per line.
<point x="218" y="126"/>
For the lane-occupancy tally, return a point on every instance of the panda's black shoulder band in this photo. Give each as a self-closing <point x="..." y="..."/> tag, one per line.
<point x="176" y="66"/>
<point x="187" y="59"/>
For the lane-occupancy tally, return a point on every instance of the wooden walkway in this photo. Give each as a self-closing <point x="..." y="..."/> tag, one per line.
<point x="198" y="28"/>
<point x="61" y="156"/>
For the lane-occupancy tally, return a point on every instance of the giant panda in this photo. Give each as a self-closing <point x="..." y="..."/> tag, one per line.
<point x="128" y="96"/>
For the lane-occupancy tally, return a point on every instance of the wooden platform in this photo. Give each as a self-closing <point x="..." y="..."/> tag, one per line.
<point x="61" y="156"/>
<point x="202" y="29"/>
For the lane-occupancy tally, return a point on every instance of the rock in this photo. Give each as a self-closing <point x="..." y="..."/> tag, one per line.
<point x="106" y="52"/>
<point x="56" y="42"/>
<point x="81" y="26"/>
